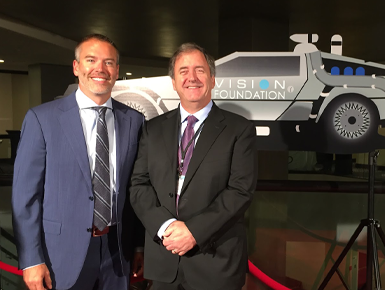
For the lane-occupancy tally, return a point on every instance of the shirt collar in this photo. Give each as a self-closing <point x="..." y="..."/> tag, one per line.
<point x="201" y="115"/>
<point x="85" y="102"/>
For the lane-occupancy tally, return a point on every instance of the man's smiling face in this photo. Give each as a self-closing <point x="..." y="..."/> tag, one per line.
<point x="192" y="80"/>
<point x="97" y="69"/>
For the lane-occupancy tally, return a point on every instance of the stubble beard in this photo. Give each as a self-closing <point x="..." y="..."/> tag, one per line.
<point x="94" y="88"/>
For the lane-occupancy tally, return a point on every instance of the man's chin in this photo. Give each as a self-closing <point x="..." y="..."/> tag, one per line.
<point x="101" y="91"/>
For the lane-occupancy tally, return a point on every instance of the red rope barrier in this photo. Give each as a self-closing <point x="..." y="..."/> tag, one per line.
<point x="265" y="279"/>
<point x="14" y="270"/>
<point x="253" y="270"/>
<point x="10" y="269"/>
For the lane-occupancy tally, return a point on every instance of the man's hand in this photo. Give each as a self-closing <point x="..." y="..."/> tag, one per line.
<point x="178" y="239"/>
<point x="137" y="264"/>
<point x="35" y="276"/>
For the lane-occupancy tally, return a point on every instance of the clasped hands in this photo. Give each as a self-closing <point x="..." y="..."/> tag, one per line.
<point x="178" y="239"/>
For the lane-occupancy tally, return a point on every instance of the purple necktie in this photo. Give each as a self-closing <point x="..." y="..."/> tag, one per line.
<point x="186" y="147"/>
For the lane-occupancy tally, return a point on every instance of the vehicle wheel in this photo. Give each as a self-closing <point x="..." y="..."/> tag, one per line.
<point x="350" y="119"/>
<point x="143" y="100"/>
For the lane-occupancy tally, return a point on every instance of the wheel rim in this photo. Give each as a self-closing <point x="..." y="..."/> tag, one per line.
<point x="352" y="120"/>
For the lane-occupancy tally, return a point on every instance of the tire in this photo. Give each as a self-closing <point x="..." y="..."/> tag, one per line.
<point x="143" y="100"/>
<point x="350" y="119"/>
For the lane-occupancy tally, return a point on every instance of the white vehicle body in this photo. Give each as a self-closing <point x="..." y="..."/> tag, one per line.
<point x="301" y="100"/>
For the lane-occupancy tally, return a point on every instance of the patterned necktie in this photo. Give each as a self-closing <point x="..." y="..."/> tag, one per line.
<point x="186" y="147"/>
<point x="101" y="178"/>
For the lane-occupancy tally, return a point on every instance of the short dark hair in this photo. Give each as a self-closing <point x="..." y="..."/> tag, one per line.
<point x="188" y="47"/>
<point x="99" y="37"/>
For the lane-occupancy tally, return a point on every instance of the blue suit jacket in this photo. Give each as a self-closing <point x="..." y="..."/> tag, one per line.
<point x="52" y="208"/>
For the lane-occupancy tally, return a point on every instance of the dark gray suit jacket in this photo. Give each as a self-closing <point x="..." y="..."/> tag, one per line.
<point x="217" y="190"/>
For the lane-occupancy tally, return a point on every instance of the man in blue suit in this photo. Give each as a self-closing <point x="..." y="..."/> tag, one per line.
<point x="60" y="243"/>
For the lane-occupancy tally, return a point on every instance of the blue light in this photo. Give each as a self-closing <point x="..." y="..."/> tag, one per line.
<point x="348" y="71"/>
<point x="360" y="71"/>
<point x="335" y="70"/>
<point x="263" y="84"/>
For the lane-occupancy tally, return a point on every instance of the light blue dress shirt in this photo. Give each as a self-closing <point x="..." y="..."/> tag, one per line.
<point x="89" y="118"/>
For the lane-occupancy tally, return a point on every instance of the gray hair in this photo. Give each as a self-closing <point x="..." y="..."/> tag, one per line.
<point x="188" y="47"/>
<point x="99" y="37"/>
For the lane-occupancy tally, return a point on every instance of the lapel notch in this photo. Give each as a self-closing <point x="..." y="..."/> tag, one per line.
<point x="170" y="127"/>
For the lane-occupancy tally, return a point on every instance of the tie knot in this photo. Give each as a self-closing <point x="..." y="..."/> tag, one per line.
<point x="101" y="110"/>
<point x="191" y="120"/>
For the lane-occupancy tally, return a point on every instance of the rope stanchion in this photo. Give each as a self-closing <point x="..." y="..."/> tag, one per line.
<point x="265" y="279"/>
<point x="10" y="269"/>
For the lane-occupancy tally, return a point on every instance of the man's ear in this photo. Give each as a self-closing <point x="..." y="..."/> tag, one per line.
<point x="117" y="71"/>
<point x="173" y="84"/>
<point x="75" y="66"/>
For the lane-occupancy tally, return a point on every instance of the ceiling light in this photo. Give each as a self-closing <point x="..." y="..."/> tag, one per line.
<point x="128" y="73"/>
<point x="1" y="60"/>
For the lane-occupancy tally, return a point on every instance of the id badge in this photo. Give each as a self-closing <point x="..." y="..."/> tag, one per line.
<point x="180" y="183"/>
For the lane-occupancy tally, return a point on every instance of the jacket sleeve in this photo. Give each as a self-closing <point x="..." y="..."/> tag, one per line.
<point x="143" y="196"/>
<point x="28" y="192"/>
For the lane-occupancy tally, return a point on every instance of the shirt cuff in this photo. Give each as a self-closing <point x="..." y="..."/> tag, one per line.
<point x="33" y="266"/>
<point x="163" y="228"/>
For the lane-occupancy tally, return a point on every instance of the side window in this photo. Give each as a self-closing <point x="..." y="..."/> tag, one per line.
<point x="260" y="66"/>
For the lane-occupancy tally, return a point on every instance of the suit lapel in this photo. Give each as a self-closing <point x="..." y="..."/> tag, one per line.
<point x="69" y="119"/>
<point x="212" y="128"/>
<point x="170" y="127"/>
<point x="122" y="126"/>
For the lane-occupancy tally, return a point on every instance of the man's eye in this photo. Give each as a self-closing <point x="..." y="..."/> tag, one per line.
<point x="109" y="63"/>
<point x="90" y="60"/>
<point x="183" y="72"/>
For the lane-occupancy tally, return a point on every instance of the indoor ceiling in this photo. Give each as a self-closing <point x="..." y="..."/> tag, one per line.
<point x="148" y="31"/>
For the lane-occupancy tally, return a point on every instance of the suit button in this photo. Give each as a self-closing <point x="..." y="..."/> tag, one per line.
<point x="89" y="230"/>
<point x="171" y="195"/>
<point x="91" y="198"/>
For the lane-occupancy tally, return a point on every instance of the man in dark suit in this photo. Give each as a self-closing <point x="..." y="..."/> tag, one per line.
<point x="72" y="171"/>
<point x="193" y="207"/>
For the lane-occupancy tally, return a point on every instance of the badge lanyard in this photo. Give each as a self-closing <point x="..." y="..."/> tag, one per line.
<point x="184" y="151"/>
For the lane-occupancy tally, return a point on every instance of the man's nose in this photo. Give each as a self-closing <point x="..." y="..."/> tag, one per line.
<point x="100" y="66"/>
<point x="192" y="76"/>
